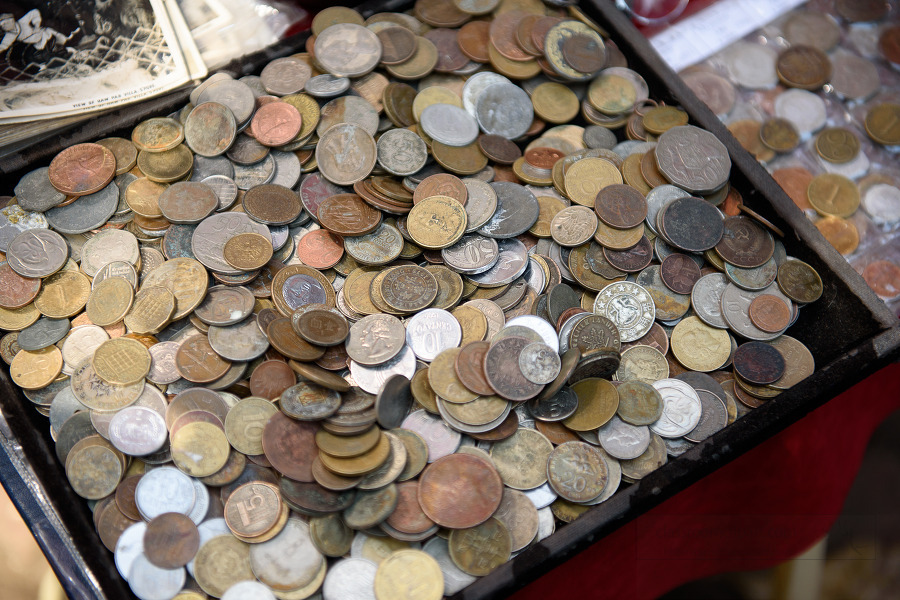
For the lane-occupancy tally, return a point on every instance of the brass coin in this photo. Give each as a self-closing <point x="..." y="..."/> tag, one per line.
<point x="833" y="195"/>
<point x="883" y="124"/>
<point x="245" y="422"/>
<point x="358" y="465"/>
<point x="33" y="370"/>
<point x="700" y="347"/>
<point x="480" y="549"/>
<point x="63" y="294"/>
<point x="142" y="196"/>
<point x="200" y="449"/>
<point x="840" y="233"/>
<point x="443" y="380"/>
<point x="151" y="311"/>
<point x="779" y="135"/>
<point x="521" y="459"/>
<point x="837" y="144"/>
<point x="222" y="562"/>
<point x="409" y="575"/>
<point x="598" y="401"/>
<point x="157" y="134"/>
<point x="247" y="251"/>
<point x="611" y="94"/>
<point x="587" y="177"/>
<point x="110" y="301"/>
<point x="168" y="166"/>
<point x="121" y="361"/>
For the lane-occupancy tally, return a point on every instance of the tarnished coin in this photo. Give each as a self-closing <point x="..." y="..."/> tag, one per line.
<point x="693" y="159"/>
<point x="37" y="253"/>
<point x="501" y="365"/>
<point x="460" y="491"/>
<point x="82" y="169"/>
<point x="629" y="307"/>
<point x="799" y="281"/>
<point x="480" y="549"/>
<point x="577" y="471"/>
<point x="309" y="402"/>
<point x="639" y="403"/>
<point x="171" y="540"/>
<point x="539" y="363"/>
<point x="210" y="129"/>
<point x="348" y="50"/>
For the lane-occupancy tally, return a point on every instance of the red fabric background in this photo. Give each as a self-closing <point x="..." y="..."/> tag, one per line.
<point x="763" y="508"/>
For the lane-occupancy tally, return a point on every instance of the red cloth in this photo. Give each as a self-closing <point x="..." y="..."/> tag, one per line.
<point x="761" y="509"/>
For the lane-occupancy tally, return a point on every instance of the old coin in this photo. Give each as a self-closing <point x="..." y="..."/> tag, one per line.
<point x="744" y="243"/>
<point x="693" y="159"/>
<point x="375" y="339"/>
<point x="769" y="313"/>
<point x="290" y="446"/>
<point x="700" y="347"/>
<point x="409" y="574"/>
<point x="803" y="67"/>
<point x="82" y="169"/>
<point x="478" y="550"/>
<point x="799" y="281"/>
<point x="759" y="363"/>
<point x="681" y="409"/>
<point x="171" y="540"/>
<point x="348" y="50"/>
<point x="509" y="457"/>
<point x="629" y="307"/>
<point x="196" y="361"/>
<point x="460" y="491"/>
<point x="834" y="195"/>
<point x="501" y="365"/>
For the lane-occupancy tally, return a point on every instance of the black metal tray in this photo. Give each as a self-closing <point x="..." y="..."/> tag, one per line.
<point x="850" y="332"/>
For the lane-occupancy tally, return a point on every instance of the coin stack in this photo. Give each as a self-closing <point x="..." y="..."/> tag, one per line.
<point x="324" y="332"/>
<point x="816" y="102"/>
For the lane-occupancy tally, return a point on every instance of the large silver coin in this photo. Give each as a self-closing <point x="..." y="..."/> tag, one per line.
<point x="401" y="152"/>
<point x="129" y="546"/>
<point x="736" y="311"/>
<point x="431" y="331"/>
<point x="149" y="582"/>
<point x="510" y="265"/>
<point x="289" y="560"/>
<point x="347" y="50"/>
<point x="350" y="578"/>
<point x="371" y="378"/>
<point x="681" y="408"/>
<point x="375" y="339"/>
<point x="629" y="306"/>
<point x="693" y="159"/>
<point x="481" y="204"/>
<point x="163" y="490"/>
<point x="243" y="341"/>
<point x="440" y="439"/>
<point x="35" y="192"/>
<point x="37" y="253"/>
<point x="248" y="590"/>
<point x="623" y="441"/>
<point x="448" y="124"/>
<point x="455" y="579"/>
<point x="517" y="210"/>
<point x="538" y="325"/>
<point x="504" y="109"/>
<point x="713" y="418"/>
<point x="706" y="299"/>
<point x="472" y="254"/>
<point x="476" y="84"/>
<point x="138" y="431"/>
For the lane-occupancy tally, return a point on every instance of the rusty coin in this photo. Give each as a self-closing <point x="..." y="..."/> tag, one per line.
<point x="584" y="53"/>
<point x="348" y="215"/>
<point x="469" y="367"/>
<point x="290" y="446"/>
<point x="621" y="206"/>
<point x="759" y="363"/>
<point x="744" y="243"/>
<point x="501" y="367"/>
<point x="769" y="313"/>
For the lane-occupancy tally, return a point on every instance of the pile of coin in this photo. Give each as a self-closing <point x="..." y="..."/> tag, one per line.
<point x="818" y="105"/>
<point x="322" y="331"/>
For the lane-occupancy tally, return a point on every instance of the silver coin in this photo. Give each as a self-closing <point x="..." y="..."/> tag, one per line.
<point x="195" y="93"/>
<point x="401" y="152"/>
<point x="475" y="85"/>
<point x="287" y="168"/>
<point x="377" y="248"/>
<point x="35" y="192"/>
<point x="162" y="363"/>
<point x="137" y="431"/>
<point x="755" y="279"/>
<point x="255" y="84"/>
<point x="693" y="159"/>
<point x="63" y="406"/>
<point x="614" y="479"/>
<point x="248" y="590"/>
<point x="622" y="440"/>
<point x="681" y="408"/>
<point x="258" y="173"/>
<point x="805" y="110"/>
<point x="37" y="253"/>
<point x="245" y="151"/>
<point x="736" y="306"/>
<point x="596" y="136"/>
<point x="289" y="560"/>
<point x="713" y="418"/>
<point x="149" y="582"/>
<point x="677" y="446"/>
<point x="122" y="182"/>
<point x="371" y="378"/>
<point x="284" y="76"/>
<point x="448" y="124"/>
<point x="309" y="402"/>
<point x="535" y="276"/>
<point x="42" y="333"/>
<point x="517" y="211"/>
<point x="492" y="312"/>
<point x="853" y="169"/>
<point x="205" y="167"/>
<point x="163" y="490"/>
<point x="511" y="264"/>
<point x="207" y="117"/>
<point x="326" y="86"/>
<point x="151" y="398"/>
<point x="14" y="220"/>
<point x="431" y="331"/>
<point x="225" y="305"/>
<point x="375" y="339"/>
<point x="455" y="579"/>
<point x="439" y="437"/>
<point x="472" y="254"/>
<point x="565" y="332"/>
<point x="539" y="363"/>
<point x="236" y="95"/>
<point x="706" y="299"/>
<point x="129" y="546"/>
<point x="504" y="109"/>
<point x="481" y="203"/>
<point x="208" y="239"/>
<point x="201" y="501"/>
<point x="561" y="406"/>
<point x="81" y="343"/>
<point x="242" y="341"/>
<point x="108" y="246"/>
<point x="352" y="110"/>
<point x="347" y="50"/>
<point x="853" y="77"/>
<point x="542" y="496"/>
<point x="751" y="65"/>
<point x="629" y="306"/>
<point x="350" y="579"/>
<point x="882" y="203"/>
<point x="544" y="329"/>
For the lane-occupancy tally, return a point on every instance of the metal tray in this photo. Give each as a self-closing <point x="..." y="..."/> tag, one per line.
<point x="850" y="332"/>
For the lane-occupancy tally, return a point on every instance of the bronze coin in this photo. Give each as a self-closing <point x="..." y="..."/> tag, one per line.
<point x="125" y="497"/>
<point x="398" y="99"/>
<point x="795" y="181"/>
<point x="523" y="35"/>
<point x="744" y="243"/>
<point x="759" y="363"/>
<point x="276" y="123"/>
<point x="473" y="39"/>
<point x="110" y="524"/>
<point x="290" y="446"/>
<point x="632" y="260"/>
<point x="409" y="517"/>
<point x="499" y="149"/>
<point x="502" y="431"/>
<point x="503" y="36"/>
<point x="543" y="158"/>
<point x="16" y="291"/>
<point x="282" y="337"/>
<point x="769" y="313"/>
<point x="889" y="44"/>
<point x="271" y="378"/>
<point x="679" y="272"/>
<point x="397" y="44"/>
<point x="621" y="206"/>
<point x="584" y="53"/>
<point x="441" y="184"/>
<point x="272" y="204"/>
<point x="460" y="491"/>
<point x="501" y="367"/>
<point x="861" y="11"/>
<point x="82" y="169"/>
<point x="323" y="327"/>
<point x="450" y="56"/>
<point x="187" y="202"/>
<point x="883" y="276"/>
<point x="171" y="540"/>
<point x="348" y="215"/>
<point x="469" y="367"/>
<point x="799" y="281"/>
<point x="539" y="31"/>
<point x="313" y="497"/>
<point x="197" y="362"/>
<point x="320" y="249"/>
<point x="803" y="67"/>
<point x="655" y="338"/>
<point x="691" y="224"/>
<point x="321" y="376"/>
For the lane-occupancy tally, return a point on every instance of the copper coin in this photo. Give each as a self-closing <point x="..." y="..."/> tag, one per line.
<point x="769" y="313"/>
<point x="282" y="337"/>
<point x="744" y="243"/>
<point x="187" y="202"/>
<point x="322" y="326"/>
<point x="503" y="35"/>
<point x="441" y="184"/>
<point x="539" y="31"/>
<point x="655" y="338"/>
<point x="320" y="376"/>
<point x="759" y="363"/>
<point x="82" y="169"/>
<point x="621" y="206"/>
<point x="110" y="524"/>
<point x="584" y="53"/>
<point x="803" y="67"/>
<point x="502" y="431"/>
<point x="171" y="540"/>
<point x="632" y="260"/>
<point x="460" y="491"/>
<point x="397" y="44"/>
<point x="16" y="291"/>
<point x="499" y="149"/>
<point x="473" y="39"/>
<point x="691" y="224"/>
<point x="501" y="366"/>
<point x="543" y="158"/>
<point x="884" y="278"/>
<point x="197" y="362"/>
<point x="272" y="204"/>
<point x="450" y="56"/>
<point x="469" y="367"/>
<point x="861" y="11"/>
<point x="320" y="249"/>
<point x="348" y="215"/>
<point x="276" y="124"/>
<point x="409" y="517"/>
<point x="679" y="272"/>
<point x="889" y="44"/>
<point x="291" y="446"/>
<point x="334" y="359"/>
<point x="125" y="497"/>
<point x="271" y="378"/>
<point x="795" y="181"/>
<point x="313" y="497"/>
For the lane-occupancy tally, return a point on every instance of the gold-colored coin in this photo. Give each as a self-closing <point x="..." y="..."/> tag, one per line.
<point x="581" y="270"/>
<point x="168" y="166"/>
<point x="422" y="392"/>
<point x="612" y="94"/>
<point x="660" y="119"/>
<point x="883" y="124"/>
<point x="200" y="449"/>
<point x="473" y="322"/>
<point x="567" y="511"/>
<point x="462" y="160"/>
<point x="358" y="465"/>
<point x="521" y="459"/>
<point x="436" y="222"/>
<point x="434" y="95"/>
<point x="531" y="175"/>
<point x="36" y="369"/>
<point x="330" y="535"/>
<point x="63" y="294"/>
<point x="479" y="550"/>
<point x="409" y="575"/>
<point x="356" y="290"/>
<point x="549" y="206"/>
<point x="309" y="113"/>
<point x="480" y="411"/>
<point x="248" y="251"/>
<point x="340" y="446"/>
<point x="555" y="103"/>
<point x="186" y="278"/>
<point x="94" y="468"/>
<point x="633" y="175"/>
<point x="419" y="65"/>
<point x="700" y="347"/>
<point x="157" y="135"/>
<point x="837" y="144"/>
<point x="618" y="239"/>
<point x="123" y="150"/>
<point x="450" y="287"/>
<point x="833" y="195"/>
<point x="376" y="549"/>
<point x="335" y="15"/>
<point x="525" y="69"/>
<point x="840" y="233"/>
<point x="443" y="380"/>
<point x="222" y="562"/>
<point x="17" y="319"/>
<point x="585" y="179"/>
<point x="121" y="361"/>
<point x="779" y="135"/>
<point x="110" y="301"/>
<point x="598" y="401"/>
<point x="152" y="310"/>
<point x="142" y="196"/>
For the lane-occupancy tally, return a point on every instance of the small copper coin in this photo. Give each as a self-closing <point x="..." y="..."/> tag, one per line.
<point x="543" y="158"/>
<point x="276" y="124"/>
<point x="272" y="204"/>
<point x="621" y="206"/>
<point x="441" y="184"/>
<point x="450" y="56"/>
<point x="584" y="53"/>
<point x="283" y="338"/>
<point x="16" y="291"/>
<point x="348" y="215"/>
<point x="469" y="367"/>
<point x="803" y="67"/>
<point x="499" y="149"/>
<point x="271" y="378"/>
<point x="769" y="313"/>
<point x="632" y="260"/>
<point x="171" y="540"/>
<point x="321" y="326"/>
<point x="679" y="272"/>
<point x="744" y="243"/>
<point x="197" y="362"/>
<point x="82" y="169"/>
<point x="397" y="44"/>
<point x="883" y="277"/>
<point x="187" y="202"/>
<point x="460" y="491"/>
<point x="320" y="249"/>
<point x="291" y="446"/>
<point x="473" y="40"/>
<point x="759" y="363"/>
